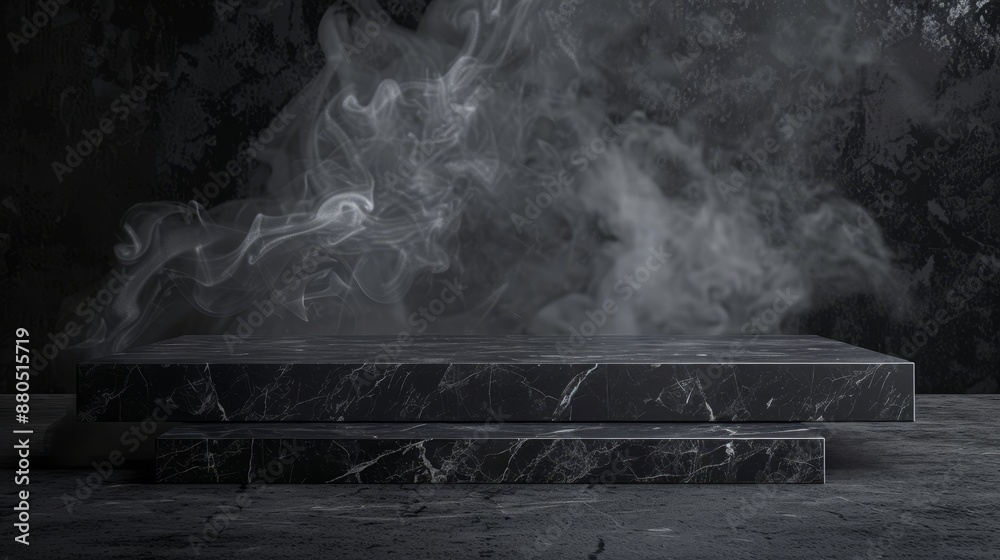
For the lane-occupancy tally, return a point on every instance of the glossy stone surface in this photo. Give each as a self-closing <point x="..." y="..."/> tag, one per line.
<point x="510" y="378"/>
<point x="490" y="453"/>
<point x="886" y="485"/>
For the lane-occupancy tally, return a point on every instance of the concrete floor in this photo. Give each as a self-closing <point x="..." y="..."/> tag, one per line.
<point x="929" y="489"/>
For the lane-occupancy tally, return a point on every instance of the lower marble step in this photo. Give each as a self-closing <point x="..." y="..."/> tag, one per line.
<point x="318" y="453"/>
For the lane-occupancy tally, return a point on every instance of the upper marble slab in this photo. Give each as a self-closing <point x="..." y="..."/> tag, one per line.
<point x="509" y="349"/>
<point x="506" y="430"/>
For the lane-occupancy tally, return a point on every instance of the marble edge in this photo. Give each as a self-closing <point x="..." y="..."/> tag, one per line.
<point x="97" y="365"/>
<point x="122" y="357"/>
<point x="272" y="432"/>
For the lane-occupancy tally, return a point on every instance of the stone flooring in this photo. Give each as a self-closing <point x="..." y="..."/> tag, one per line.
<point x="929" y="489"/>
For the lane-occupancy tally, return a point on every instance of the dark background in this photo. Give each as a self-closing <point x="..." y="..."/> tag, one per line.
<point x="234" y="65"/>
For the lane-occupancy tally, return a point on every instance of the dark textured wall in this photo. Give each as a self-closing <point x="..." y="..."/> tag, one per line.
<point x="921" y="155"/>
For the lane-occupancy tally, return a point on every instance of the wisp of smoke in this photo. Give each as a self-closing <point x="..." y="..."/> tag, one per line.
<point x="532" y="160"/>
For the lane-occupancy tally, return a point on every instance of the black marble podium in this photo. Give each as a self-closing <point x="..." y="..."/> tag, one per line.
<point x="496" y="409"/>
<point x="518" y="379"/>
<point x="498" y="453"/>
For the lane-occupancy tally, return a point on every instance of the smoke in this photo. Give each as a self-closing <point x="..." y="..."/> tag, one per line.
<point x="543" y="157"/>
